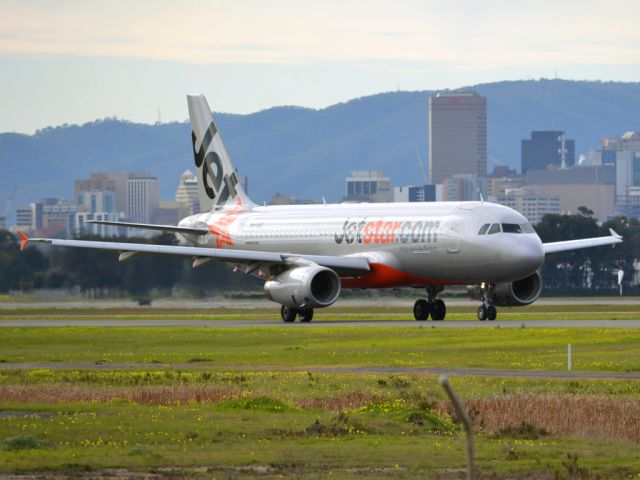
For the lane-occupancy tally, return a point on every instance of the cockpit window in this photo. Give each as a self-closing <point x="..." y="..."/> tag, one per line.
<point x="511" y="228"/>
<point x="527" y="228"/>
<point x="495" y="228"/>
<point x="483" y="229"/>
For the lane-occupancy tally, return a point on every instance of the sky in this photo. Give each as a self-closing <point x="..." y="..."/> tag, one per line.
<point x="74" y="61"/>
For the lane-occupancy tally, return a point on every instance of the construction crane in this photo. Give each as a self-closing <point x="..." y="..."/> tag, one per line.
<point x="421" y="164"/>
<point x="9" y="201"/>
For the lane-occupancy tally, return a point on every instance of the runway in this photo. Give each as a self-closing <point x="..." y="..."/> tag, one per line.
<point x="325" y="324"/>
<point x="453" y="372"/>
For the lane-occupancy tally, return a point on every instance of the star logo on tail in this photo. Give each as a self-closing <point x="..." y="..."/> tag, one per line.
<point x="220" y="229"/>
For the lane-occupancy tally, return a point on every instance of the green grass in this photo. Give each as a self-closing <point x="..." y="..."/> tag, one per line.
<point x="597" y="349"/>
<point x="283" y="408"/>
<point x="238" y="436"/>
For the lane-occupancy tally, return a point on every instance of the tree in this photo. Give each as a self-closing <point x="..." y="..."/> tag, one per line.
<point x="591" y="268"/>
<point x="19" y="269"/>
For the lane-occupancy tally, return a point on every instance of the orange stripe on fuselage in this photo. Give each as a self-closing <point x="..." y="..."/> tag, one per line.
<point x="384" y="276"/>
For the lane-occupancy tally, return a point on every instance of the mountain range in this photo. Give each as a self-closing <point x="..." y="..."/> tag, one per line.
<point x="307" y="153"/>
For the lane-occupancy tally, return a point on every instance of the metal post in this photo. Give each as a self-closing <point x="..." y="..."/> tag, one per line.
<point x="466" y="423"/>
<point x="569" y="357"/>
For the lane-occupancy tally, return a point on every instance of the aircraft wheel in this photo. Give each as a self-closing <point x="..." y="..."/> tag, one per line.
<point x="288" y="314"/>
<point x="438" y="310"/>
<point x="306" y="314"/>
<point x="482" y="313"/>
<point x="421" y="310"/>
<point x="492" y="313"/>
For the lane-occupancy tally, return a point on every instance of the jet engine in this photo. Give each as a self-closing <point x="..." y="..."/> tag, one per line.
<point x="513" y="294"/>
<point x="309" y="286"/>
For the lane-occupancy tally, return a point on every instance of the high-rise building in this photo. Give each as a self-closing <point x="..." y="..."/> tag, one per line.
<point x="457" y="135"/>
<point x="96" y="201"/>
<point x="368" y="186"/>
<point x="24" y="218"/>
<point x="3" y="223"/>
<point x="143" y="197"/>
<point x="530" y="203"/>
<point x="623" y="155"/>
<point x="80" y="224"/>
<point x="114" y="182"/>
<point x="464" y="188"/>
<point x="170" y="212"/>
<point x="56" y="213"/>
<point x="187" y="193"/>
<point x="589" y="186"/>
<point x="504" y="178"/>
<point x="422" y="193"/>
<point x="547" y="147"/>
<point x="628" y="183"/>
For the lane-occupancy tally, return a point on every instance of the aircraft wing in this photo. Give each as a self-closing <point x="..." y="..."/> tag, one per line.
<point x="148" y="226"/>
<point x="554" y="247"/>
<point x="343" y="266"/>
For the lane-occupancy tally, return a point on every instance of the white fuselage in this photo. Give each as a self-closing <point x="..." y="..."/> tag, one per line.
<point x="407" y="244"/>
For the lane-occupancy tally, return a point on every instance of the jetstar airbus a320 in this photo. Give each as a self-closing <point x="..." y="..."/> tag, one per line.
<point x="307" y="253"/>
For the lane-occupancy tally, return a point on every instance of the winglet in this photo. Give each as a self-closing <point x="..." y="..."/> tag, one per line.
<point x="23" y="240"/>
<point x="614" y="234"/>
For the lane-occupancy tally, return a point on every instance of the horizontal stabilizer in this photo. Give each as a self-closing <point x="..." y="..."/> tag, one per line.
<point x="148" y="226"/>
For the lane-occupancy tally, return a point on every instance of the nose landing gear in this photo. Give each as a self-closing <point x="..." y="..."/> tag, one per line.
<point x="486" y="311"/>
<point x="433" y="307"/>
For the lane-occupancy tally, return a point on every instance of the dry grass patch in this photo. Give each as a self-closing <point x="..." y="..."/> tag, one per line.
<point x="160" y="395"/>
<point x="590" y="417"/>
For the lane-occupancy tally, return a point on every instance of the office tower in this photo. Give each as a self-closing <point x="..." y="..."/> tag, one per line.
<point x="368" y="186"/>
<point x="457" y="135"/>
<point x="548" y="147"/>
<point x="187" y="193"/>
<point x="143" y="195"/>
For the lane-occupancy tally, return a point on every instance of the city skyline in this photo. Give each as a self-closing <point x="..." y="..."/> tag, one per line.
<point x="70" y="62"/>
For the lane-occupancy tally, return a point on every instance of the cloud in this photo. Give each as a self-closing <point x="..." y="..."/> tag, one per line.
<point x="466" y="35"/>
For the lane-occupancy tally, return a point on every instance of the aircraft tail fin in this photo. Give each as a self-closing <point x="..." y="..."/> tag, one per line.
<point x="218" y="182"/>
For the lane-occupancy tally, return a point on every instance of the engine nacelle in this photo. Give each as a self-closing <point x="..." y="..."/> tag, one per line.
<point x="310" y="286"/>
<point x="513" y="294"/>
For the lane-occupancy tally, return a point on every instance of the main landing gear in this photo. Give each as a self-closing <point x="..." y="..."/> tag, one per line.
<point x="486" y="311"/>
<point x="433" y="307"/>
<point x="289" y="314"/>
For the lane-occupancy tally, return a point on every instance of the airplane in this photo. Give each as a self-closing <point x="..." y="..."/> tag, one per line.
<point x="306" y="254"/>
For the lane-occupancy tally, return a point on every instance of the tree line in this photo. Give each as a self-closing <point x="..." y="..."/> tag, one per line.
<point x="587" y="271"/>
<point x="100" y="271"/>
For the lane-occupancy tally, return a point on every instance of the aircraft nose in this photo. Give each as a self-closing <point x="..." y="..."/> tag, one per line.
<point x="528" y="254"/>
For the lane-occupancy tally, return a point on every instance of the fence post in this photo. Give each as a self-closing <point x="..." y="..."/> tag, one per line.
<point x="466" y="423"/>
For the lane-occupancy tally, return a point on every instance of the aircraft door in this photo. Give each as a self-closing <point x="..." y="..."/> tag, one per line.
<point x="453" y="237"/>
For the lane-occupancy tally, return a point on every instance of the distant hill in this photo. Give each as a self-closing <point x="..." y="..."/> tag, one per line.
<point x="307" y="153"/>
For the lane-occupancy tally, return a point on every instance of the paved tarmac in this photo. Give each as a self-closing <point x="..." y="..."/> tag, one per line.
<point x="453" y="372"/>
<point x="249" y="304"/>
<point x="275" y="323"/>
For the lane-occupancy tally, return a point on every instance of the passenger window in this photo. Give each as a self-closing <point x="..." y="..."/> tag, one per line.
<point x="483" y="229"/>
<point x="495" y="228"/>
<point x="511" y="228"/>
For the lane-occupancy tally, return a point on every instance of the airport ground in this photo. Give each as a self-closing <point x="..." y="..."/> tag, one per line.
<point x="183" y="397"/>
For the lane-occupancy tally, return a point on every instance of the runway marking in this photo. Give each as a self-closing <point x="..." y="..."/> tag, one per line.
<point x="325" y="323"/>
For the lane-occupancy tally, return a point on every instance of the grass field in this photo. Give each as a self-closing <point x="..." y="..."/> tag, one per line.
<point x="271" y="402"/>
<point x="616" y="350"/>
